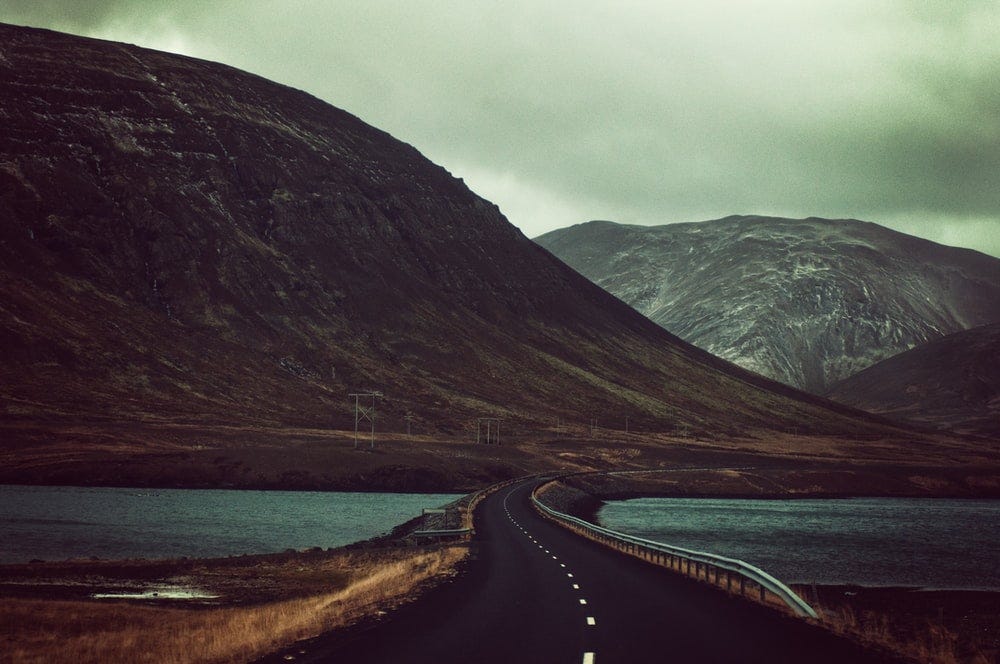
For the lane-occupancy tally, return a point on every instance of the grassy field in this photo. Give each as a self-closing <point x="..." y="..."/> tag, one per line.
<point x="312" y="459"/>
<point x="266" y="606"/>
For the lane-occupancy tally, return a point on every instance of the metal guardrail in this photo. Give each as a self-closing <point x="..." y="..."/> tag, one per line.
<point x="470" y="507"/>
<point x="676" y="558"/>
<point x="453" y="532"/>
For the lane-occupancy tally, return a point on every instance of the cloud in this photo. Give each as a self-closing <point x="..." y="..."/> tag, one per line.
<point x="77" y="15"/>
<point x="643" y="112"/>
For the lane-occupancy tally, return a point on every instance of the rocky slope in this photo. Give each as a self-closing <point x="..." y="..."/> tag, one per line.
<point x="951" y="383"/>
<point x="807" y="302"/>
<point x="184" y="243"/>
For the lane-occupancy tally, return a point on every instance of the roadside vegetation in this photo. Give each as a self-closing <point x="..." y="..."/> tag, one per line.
<point x="931" y="627"/>
<point x="348" y="587"/>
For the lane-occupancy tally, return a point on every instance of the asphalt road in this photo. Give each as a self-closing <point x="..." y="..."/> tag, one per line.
<point x="538" y="593"/>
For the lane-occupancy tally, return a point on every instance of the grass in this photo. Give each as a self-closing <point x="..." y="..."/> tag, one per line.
<point x="38" y="630"/>
<point x="932" y="643"/>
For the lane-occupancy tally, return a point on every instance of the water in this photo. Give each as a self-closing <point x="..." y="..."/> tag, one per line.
<point x="56" y="523"/>
<point x="924" y="542"/>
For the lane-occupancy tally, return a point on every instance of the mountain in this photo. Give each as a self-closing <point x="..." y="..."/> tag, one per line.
<point x="183" y="242"/>
<point x="951" y="383"/>
<point x="806" y="302"/>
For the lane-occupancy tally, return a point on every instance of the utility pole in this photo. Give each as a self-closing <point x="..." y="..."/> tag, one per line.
<point x="492" y="435"/>
<point x="409" y="419"/>
<point x="364" y="412"/>
<point x="593" y="426"/>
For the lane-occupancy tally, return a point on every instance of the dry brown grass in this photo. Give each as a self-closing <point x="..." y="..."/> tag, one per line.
<point x="934" y="644"/>
<point x="89" y="631"/>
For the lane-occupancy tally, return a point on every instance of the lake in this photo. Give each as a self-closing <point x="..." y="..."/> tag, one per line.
<point x="923" y="542"/>
<point x="56" y="523"/>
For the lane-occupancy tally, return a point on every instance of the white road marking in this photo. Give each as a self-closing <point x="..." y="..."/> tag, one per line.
<point x="562" y="564"/>
<point x="583" y="601"/>
<point x="576" y="586"/>
<point x="569" y="575"/>
<point x="554" y="558"/>
<point x="588" y="658"/>
<point x="591" y="621"/>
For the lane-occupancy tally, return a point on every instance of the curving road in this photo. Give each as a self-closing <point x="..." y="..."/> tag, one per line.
<point x="535" y="592"/>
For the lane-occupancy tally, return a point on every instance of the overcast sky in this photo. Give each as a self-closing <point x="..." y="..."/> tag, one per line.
<point x="637" y="112"/>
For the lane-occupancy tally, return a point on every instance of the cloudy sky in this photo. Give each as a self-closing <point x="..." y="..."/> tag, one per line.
<point x="638" y="112"/>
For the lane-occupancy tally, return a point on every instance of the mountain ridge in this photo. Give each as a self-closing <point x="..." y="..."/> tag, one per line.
<point x="198" y="266"/>
<point x="189" y="243"/>
<point x="951" y="383"/>
<point x="803" y="301"/>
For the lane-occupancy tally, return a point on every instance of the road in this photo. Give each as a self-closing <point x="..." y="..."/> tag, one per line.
<point x="538" y="593"/>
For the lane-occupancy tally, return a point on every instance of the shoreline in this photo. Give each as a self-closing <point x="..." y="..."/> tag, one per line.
<point x="605" y="497"/>
<point x="290" y="488"/>
<point x="930" y="620"/>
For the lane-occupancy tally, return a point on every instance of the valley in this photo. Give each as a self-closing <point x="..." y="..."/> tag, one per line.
<point x="201" y="268"/>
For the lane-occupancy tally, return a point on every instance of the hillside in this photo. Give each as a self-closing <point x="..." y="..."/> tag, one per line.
<point x="807" y="302"/>
<point x="195" y="258"/>
<point x="951" y="383"/>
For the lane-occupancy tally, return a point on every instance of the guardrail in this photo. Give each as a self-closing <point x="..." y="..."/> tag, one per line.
<point x="705" y="565"/>
<point x="470" y="508"/>
<point x="452" y="532"/>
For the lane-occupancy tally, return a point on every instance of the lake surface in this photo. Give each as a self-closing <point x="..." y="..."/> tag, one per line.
<point x="931" y="543"/>
<point x="56" y="523"/>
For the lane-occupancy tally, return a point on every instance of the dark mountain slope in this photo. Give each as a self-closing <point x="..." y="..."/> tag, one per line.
<point x="804" y="301"/>
<point x="182" y="242"/>
<point x="951" y="383"/>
